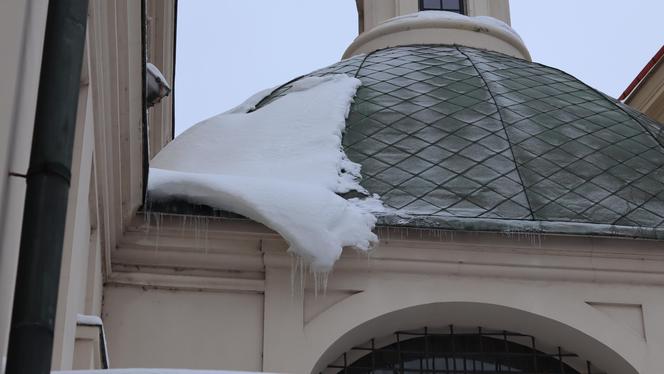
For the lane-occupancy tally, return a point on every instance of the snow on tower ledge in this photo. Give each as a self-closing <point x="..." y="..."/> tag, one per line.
<point x="439" y="27"/>
<point x="282" y="165"/>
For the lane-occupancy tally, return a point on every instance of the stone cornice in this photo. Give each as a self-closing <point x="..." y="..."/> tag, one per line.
<point x="232" y="255"/>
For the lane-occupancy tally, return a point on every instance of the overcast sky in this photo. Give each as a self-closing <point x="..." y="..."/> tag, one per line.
<point x="229" y="49"/>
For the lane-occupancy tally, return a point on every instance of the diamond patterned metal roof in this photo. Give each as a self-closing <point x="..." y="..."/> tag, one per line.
<point x="460" y="138"/>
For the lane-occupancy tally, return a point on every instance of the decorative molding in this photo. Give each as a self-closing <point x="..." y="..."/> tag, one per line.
<point x="185" y="282"/>
<point x="628" y="315"/>
<point x="316" y="302"/>
<point x="243" y="246"/>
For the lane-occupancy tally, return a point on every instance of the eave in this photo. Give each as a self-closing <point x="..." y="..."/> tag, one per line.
<point x="180" y="252"/>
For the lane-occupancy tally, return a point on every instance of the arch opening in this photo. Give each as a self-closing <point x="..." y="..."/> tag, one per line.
<point x="606" y="349"/>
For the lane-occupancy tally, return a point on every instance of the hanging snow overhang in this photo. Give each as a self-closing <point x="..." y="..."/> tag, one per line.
<point x="282" y="165"/>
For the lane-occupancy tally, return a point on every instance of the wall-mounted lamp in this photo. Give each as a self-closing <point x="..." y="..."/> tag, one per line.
<point x="157" y="86"/>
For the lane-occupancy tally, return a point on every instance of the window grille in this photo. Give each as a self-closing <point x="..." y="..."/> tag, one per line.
<point x="452" y="351"/>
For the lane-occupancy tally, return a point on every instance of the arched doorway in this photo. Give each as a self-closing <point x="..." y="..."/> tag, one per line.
<point x="453" y="350"/>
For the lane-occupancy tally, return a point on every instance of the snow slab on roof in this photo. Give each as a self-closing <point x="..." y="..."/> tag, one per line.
<point x="250" y="103"/>
<point x="282" y="165"/>
<point x="151" y="371"/>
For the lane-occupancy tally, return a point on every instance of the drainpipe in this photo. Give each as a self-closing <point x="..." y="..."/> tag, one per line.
<point x="47" y="190"/>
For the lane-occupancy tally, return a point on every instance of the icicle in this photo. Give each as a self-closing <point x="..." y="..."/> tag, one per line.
<point x="196" y="244"/>
<point x="207" y="228"/>
<point x="298" y="267"/>
<point x="158" y="233"/>
<point x="316" y="284"/>
<point x="325" y="278"/>
<point x="320" y="282"/>
<point x="146" y="222"/>
<point x="293" y="271"/>
<point x="146" y="216"/>
<point x="199" y="236"/>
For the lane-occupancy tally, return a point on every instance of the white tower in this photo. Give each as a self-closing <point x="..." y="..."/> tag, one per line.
<point x="473" y="23"/>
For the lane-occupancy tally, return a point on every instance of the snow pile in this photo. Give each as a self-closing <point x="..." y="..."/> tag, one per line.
<point x="82" y="319"/>
<point x="157" y="74"/>
<point x="282" y="165"/>
<point x="150" y="371"/>
<point x="436" y="15"/>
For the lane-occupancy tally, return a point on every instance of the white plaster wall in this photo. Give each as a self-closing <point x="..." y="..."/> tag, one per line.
<point x="377" y="11"/>
<point x="74" y="283"/>
<point x="183" y="329"/>
<point x="602" y="298"/>
<point x="9" y="255"/>
<point x="494" y="8"/>
<point x="87" y="354"/>
<point x="406" y="7"/>
<point x="617" y="325"/>
<point x="567" y="320"/>
<point x="556" y="312"/>
<point x="22" y="25"/>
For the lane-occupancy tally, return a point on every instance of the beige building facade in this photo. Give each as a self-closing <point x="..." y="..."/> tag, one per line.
<point x="646" y="93"/>
<point x="196" y="291"/>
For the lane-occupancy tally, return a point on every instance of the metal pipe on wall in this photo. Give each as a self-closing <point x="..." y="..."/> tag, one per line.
<point x="47" y="190"/>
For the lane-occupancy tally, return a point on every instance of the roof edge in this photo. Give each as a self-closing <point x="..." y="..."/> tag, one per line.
<point x="527" y="227"/>
<point x="650" y="66"/>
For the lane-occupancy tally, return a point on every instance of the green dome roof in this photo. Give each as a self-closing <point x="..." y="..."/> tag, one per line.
<point x="459" y="138"/>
